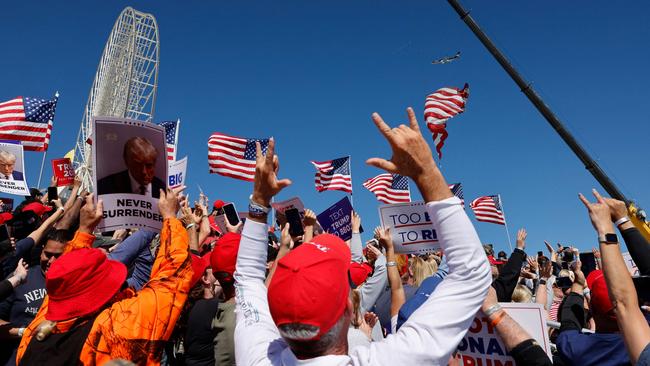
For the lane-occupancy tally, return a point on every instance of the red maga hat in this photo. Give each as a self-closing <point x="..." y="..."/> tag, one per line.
<point x="359" y="272"/>
<point x="310" y="285"/>
<point x="37" y="208"/>
<point x="198" y="266"/>
<point x="224" y="254"/>
<point x="600" y="301"/>
<point x="81" y="282"/>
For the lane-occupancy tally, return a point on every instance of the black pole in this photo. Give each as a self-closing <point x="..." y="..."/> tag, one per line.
<point x="528" y="90"/>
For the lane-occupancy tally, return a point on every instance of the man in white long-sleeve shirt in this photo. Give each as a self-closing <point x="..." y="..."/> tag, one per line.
<point x="304" y="318"/>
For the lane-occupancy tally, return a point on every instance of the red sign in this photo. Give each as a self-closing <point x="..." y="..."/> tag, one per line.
<point x="63" y="171"/>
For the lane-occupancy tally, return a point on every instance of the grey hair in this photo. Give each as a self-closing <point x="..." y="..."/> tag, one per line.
<point x="299" y="337"/>
<point x="6" y="155"/>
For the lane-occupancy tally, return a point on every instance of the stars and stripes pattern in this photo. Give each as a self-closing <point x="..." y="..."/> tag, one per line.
<point x="333" y="175"/>
<point x="457" y="190"/>
<point x="171" y="137"/>
<point x="389" y="188"/>
<point x="488" y="209"/>
<point x="28" y="120"/>
<point x="440" y="106"/>
<point x="233" y="156"/>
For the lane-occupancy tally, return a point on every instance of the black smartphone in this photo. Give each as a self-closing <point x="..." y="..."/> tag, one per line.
<point x="642" y="286"/>
<point x="4" y="232"/>
<point x="231" y="214"/>
<point x="540" y="254"/>
<point x="565" y="265"/>
<point x="374" y="242"/>
<point x="588" y="261"/>
<point x="295" y="222"/>
<point x="52" y="193"/>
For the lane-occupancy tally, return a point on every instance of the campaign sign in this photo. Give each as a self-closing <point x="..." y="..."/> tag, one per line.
<point x="177" y="173"/>
<point x="63" y="171"/>
<point x="12" y="169"/>
<point x="293" y="202"/>
<point x="337" y="219"/>
<point x="410" y="227"/>
<point x="482" y="346"/>
<point x="6" y="204"/>
<point x="130" y="161"/>
<point x="631" y="266"/>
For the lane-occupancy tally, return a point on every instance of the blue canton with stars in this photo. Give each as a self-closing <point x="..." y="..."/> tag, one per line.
<point x="400" y="182"/>
<point x="497" y="202"/>
<point x="340" y="166"/>
<point x="170" y="131"/>
<point x="251" y="151"/>
<point x="39" y="110"/>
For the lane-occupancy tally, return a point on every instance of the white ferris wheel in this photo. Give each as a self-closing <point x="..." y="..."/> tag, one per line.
<point x="125" y="83"/>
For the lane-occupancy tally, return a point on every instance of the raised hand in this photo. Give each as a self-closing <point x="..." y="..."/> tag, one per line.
<point x="521" y="238"/>
<point x="90" y="214"/>
<point x="266" y="183"/>
<point x="356" y="222"/>
<point x="310" y="218"/>
<point x="599" y="213"/>
<point x="384" y="238"/>
<point x="617" y="208"/>
<point x="170" y="202"/>
<point x="411" y="157"/>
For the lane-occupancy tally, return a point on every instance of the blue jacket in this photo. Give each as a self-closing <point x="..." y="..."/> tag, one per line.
<point x="135" y="251"/>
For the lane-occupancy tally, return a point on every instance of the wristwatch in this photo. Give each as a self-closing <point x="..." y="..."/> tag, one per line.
<point x="609" y="238"/>
<point x="255" y="210"/>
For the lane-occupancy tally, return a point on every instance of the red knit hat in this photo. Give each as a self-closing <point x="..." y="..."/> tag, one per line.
<point x="224" y="254"/>
<point x="359" y="272"/>
<point x="218" y="204"/>
<point x="310" y="284"/>
<point x="198" y="266"/>
<point x="601" y="305"/>
<point x="81" y="282"/>
<point x="37" y="208"/>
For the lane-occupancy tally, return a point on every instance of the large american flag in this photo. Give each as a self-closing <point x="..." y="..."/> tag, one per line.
<point x="171" y="137"/>
<point x="488" y="209"/>
<point x="234" y="156"/>
<point x="457" y="190"/>
<point x="28" y="120"/>
<point x="440" y="106"/>
<point x="389" y="188"/>
<point x="333" y="175"/>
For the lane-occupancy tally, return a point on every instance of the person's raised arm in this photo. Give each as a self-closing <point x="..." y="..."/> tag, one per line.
<point x="191" y="223"/>
<point x="255" y="329"/>
<point x="309" y="223"/>
<point x="397" y="297"/>
<point x="523" y="348"/>
<point x="426" y="337"/>
<point x="72" y="198"/>
<point x="356" y="245"/>
<point x="631" y="322"/>
<point x="506" y="282"/>
<point x="541" y="295"/>
<point x="37" y="234"/>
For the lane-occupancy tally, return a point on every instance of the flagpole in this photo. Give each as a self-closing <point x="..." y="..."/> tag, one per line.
<point x="350" y="170"/>
<point x="505" y="222"/>
<point x="40" y="174"/>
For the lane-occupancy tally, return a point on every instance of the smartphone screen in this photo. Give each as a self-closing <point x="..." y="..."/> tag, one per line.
<point x="540" y="254"/>
<point x="295" y="222"/>
<point x="231" y="214"/>
<point x="588" y="263"/>
<point x="52" y="193"/>
<point x="4" y="232"/>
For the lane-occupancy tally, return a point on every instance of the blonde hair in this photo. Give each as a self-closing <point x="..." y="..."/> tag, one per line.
<point x="522" y="294"/>
<point x="421" y="269"/>
<point x="567" y="273"/>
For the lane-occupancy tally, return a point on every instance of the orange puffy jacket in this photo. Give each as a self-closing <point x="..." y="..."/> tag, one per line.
<point x="137" y="327"/>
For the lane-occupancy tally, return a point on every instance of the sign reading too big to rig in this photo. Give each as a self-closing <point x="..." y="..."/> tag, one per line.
<point x="410" y="227"/>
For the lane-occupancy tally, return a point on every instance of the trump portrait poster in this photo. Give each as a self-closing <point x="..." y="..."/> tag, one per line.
<point x="130" y="164"/>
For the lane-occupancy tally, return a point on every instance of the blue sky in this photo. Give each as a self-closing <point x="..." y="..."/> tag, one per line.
<point x="311" y="73"/>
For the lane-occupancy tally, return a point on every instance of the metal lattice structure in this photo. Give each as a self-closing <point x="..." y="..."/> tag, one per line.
<point x="126" y="81"/>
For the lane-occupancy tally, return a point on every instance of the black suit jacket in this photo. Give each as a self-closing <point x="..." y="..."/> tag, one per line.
<point x="121" y="183"/>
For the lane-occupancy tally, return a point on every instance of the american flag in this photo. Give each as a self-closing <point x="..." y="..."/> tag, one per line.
<point x="457" y="190"/>
<point x="28" y="120"/>
<point x="488" y="209"/>
<point x="440" y="106"/>
<point x="171" y="137"/>
<point x="333" y="175"/>
<point x="233" y="156"/>
<point x="389" y="188"/>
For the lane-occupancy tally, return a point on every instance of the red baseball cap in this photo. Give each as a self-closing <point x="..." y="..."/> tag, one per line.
<point x="601" y="305"/>
<point x="494" y="261"/>
<point x="81" y="282"/>
<point x="359" y="272"/>
<point x="310" y="285"/>
<point x="5" y="216"/>
<point x="213" y="224"/>
<point x="218" y="204"/>
<point x="38" y="208"/>
<point x="224" y="254"/>
<point x="198" y="266"/>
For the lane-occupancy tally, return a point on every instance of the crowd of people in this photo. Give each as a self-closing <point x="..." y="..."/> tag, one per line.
<point x="195" y="294"/>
